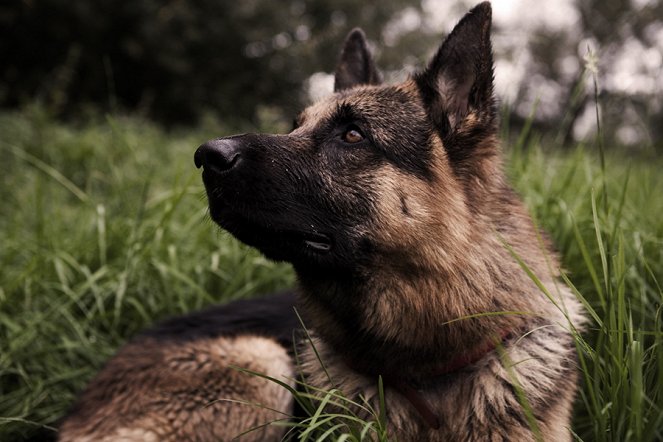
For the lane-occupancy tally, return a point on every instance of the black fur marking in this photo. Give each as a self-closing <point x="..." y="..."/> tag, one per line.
<point x="270" y="316"/>
<point x="346" y="114"/>
<point x="406" y="158"/>
<point x="404" y="208"/>
<point x="299" y="190"/>
<point x="332" y="127"/>
<point x="516" y="414"/>
<point x="406" y="146"/>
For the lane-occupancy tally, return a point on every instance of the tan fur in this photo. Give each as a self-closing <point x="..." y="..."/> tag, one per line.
<point x="177" y="392"/>
<point x="460" y="399"/>
<point x="440" y="264"/>
<point x="440" y="236"/>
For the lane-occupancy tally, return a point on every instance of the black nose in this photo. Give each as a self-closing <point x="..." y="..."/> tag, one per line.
<point x="219" y="155"/>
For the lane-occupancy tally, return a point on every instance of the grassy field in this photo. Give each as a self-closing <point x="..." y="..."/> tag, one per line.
<point x="103" y="230"/>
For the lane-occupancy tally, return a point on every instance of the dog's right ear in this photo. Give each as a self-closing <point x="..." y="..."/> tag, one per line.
<point x="356" y="65"/>
<point x="459" y="79"/>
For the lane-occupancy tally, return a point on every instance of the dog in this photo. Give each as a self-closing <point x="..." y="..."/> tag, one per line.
<point x="416" y="263"/>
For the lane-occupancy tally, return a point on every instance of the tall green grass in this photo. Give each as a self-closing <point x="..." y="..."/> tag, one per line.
<point x="103" y="230"/>
<point x="604" y="217"/>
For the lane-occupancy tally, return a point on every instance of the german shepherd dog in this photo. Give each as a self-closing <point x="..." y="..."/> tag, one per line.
<point x="414" y="259"/>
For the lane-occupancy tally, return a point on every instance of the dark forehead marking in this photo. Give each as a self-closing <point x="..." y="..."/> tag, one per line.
<point x="398" y="125"/>
<point x="346" y="112"/>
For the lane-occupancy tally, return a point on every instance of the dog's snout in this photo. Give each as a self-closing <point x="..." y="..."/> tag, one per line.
<point x="219" y="155"/>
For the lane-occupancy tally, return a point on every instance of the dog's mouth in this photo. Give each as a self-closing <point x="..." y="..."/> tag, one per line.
<point x="264" y="224"/>
<point x="272" y="238"/>
<point x="318" y="242"/>
<point x="308" y="242"/>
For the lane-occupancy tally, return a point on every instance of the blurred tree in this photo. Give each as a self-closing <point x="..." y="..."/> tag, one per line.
<point x="629" y="38"/>
<point x="173" y="60"/>
<point x="625" y="40"/>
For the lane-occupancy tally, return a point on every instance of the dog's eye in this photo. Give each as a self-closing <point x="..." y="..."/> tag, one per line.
<point x="353" y="135"/>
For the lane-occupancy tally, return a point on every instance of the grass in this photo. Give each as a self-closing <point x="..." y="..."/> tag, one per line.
<point x="103" y="230"/>
<point x="603" y="214"/>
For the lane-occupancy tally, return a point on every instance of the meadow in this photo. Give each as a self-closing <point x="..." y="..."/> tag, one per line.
<point x="104" y="230"/>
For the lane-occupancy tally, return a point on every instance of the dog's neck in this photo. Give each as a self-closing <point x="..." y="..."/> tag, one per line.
<point x="414" y="388"/>
<point x="419" y="325"/>
<point x="415" y="323"/>
<point x="464" y="360"/>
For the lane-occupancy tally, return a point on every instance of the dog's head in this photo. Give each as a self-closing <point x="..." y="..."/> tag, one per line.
<point x="371" y="171"/>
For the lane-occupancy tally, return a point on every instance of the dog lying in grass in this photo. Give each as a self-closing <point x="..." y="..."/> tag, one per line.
<point x="425" y="288"/>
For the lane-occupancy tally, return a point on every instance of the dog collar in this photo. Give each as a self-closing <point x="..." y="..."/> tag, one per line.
<point x="415" y="396"/>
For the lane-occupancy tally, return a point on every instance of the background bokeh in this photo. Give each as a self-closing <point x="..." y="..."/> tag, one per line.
<point x="177" y="61"/>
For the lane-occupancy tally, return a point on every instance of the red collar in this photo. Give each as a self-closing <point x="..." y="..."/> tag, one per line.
<point x="415" y="396"/>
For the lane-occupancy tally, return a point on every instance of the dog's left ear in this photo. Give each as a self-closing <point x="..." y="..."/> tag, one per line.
<point x="459" y="79"/>
<point x="356" y="65"/>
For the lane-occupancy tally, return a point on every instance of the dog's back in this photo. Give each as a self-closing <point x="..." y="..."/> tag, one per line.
<point x="175" y="382"/>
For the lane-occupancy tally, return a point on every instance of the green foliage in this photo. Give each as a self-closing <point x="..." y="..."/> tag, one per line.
<point x="104" y="230"/>
<point x="329" y="414"/>
<point x="605" y="222"/>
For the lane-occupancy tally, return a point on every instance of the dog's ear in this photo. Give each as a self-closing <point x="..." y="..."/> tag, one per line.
<point x="356" y="65"/>
<point x="459" y="79"/>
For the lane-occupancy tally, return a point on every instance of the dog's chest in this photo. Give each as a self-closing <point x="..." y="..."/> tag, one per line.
<point x="409" y="415"/>
<point x="486" y="400"/>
